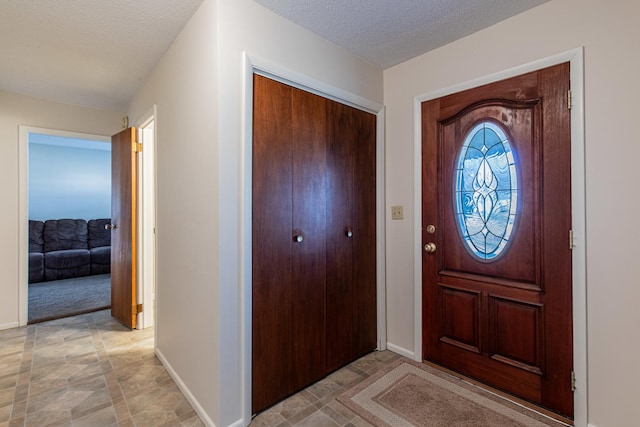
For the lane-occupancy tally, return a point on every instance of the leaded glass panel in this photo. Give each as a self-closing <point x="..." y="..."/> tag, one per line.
<point x="486" y="190"/>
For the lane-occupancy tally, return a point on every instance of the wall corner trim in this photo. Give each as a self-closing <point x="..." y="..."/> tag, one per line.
<point x="187" y="393"/>
<point x="401" y="351"/>
<point x="9" y="325"/>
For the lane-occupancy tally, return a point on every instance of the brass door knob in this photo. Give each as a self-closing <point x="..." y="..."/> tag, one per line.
<point x="430" y="248"/>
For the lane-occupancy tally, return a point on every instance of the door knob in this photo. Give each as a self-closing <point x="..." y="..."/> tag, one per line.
<point x="110" y="226"/>
<point x="298" y="238"/>
<point x="430" y="248"/>
<point x="348" y="233"/>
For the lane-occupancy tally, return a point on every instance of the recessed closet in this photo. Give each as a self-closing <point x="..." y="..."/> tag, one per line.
<point x="314" y="238"/>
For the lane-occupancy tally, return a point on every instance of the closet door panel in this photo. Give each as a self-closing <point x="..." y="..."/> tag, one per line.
<point x="309" y="165"/>
<point x="340" y="181"/>
<point x="272" y="243"/>
<point x="364" y="233"/>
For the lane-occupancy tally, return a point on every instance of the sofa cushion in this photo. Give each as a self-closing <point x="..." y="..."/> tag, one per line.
<point x="66" y="264"/>
<point x="100" y="260"/>
<point x="36" y="238"/>
<point x="36" y="267"/>
<point x="97" y="235"/>
<point x="63" y="234"/>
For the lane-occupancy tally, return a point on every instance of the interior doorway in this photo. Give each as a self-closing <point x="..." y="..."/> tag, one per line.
<point x="146" y="267"/>
<point x="64" y="194"/>
<point x="147" y="214"/>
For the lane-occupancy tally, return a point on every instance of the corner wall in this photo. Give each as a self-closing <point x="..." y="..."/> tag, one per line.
<point x="198" y="89"/>
<point x="18" y="110"/>
<point x="609" y="34"/>
<point x="183" y="86"/>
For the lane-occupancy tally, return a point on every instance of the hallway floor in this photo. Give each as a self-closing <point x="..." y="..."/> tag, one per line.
<point x="86" y="370"/>
<point x="89" y="370"/>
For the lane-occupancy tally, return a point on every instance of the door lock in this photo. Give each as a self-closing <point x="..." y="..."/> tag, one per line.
<point x="430" y="248"/>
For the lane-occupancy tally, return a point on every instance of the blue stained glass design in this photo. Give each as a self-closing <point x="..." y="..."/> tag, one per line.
<point x="486" y="190"/>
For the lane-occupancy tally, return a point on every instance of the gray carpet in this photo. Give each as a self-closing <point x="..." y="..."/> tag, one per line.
<point x="69" y="297"/>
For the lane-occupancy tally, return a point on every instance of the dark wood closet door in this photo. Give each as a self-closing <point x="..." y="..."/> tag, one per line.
<point x="364" y="235"/>
<point x="289" y="241"/>
<point x="272" y="243"/>
<point x="314" y="263"/>
<point x="308" y="157"/>
<point x="351" y="235"/>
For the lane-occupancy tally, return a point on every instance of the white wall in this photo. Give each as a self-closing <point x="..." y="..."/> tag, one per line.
<point x="197" y="87"/>
<point x="183" y="86"/>
<point x="69" y="182"/>
<point x="609" y="33"/>
<point x="18" y="110"/>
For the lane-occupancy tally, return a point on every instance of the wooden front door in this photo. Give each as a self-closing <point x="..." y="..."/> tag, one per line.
<point x="495" y="230"/>
<point x="124" y="181"/>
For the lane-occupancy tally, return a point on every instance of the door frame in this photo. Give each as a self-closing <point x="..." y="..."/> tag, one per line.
<point x="23" y="207"/>
<point x="256" y="64"/>
<point x="147" y="213"/>
<point x="578" y="209"/>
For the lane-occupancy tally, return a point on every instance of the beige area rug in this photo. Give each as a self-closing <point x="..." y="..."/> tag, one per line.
<point x="411" y="394"/>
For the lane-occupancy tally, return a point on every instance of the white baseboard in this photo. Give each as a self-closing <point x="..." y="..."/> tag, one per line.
<point x="401" y="351"/>
<point x="187" y="393"/>
<point x="239" y="423"/>
<point x="4" y="326"/>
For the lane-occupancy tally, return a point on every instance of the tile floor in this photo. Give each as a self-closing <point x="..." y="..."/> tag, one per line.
<point x="316" y="406"/>
<point x="86" y="370"/>
<point x="89" y="370"/>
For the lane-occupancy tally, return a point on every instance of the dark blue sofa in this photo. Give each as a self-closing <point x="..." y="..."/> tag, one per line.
<point x="67" y="248"/>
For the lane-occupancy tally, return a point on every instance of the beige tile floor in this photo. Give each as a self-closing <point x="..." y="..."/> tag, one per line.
<point x="89" y="370"/>
<point x="316" y="406"/>
<point x="86" y="371"/>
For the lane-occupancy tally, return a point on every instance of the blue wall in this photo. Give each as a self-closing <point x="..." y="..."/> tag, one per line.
<point x="66" y="181"/>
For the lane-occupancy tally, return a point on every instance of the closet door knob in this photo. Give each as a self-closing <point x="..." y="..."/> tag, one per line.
<point x="298" y="238"/>
<point x="110" y="226"/>
<point x="348" y="233"/>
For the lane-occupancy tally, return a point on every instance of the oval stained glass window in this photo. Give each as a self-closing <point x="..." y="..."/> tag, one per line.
<point x="486" y="190"/>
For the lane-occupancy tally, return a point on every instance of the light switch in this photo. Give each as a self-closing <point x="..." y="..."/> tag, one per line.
<point x="397" y="212"/>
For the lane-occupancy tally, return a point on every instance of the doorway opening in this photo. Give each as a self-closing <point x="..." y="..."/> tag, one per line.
<point x="146" y="207"/>
<point x="65" y="203"/>
<point x="147" y="229"/>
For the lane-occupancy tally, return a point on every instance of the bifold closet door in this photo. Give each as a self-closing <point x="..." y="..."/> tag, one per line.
<point x="272" y="243"/>
<point x="289" y="241"/>
<point x="351" y="235"/>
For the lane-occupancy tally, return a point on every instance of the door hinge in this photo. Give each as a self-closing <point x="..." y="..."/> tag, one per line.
<point x="573" y="381"/>
<point x="137" y="147"/>
<point x="571" y="245"/>
<point x="138" y="308"/>
<point x="569" y="103"/>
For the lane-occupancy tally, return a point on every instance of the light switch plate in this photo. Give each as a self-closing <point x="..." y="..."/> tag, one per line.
<point x="397" y="212"/>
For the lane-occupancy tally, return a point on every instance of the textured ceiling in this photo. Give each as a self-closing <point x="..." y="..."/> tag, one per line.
<point x="86" y="52"/>
<point x="97" y="52"/>
<point x="388" y="32"/>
